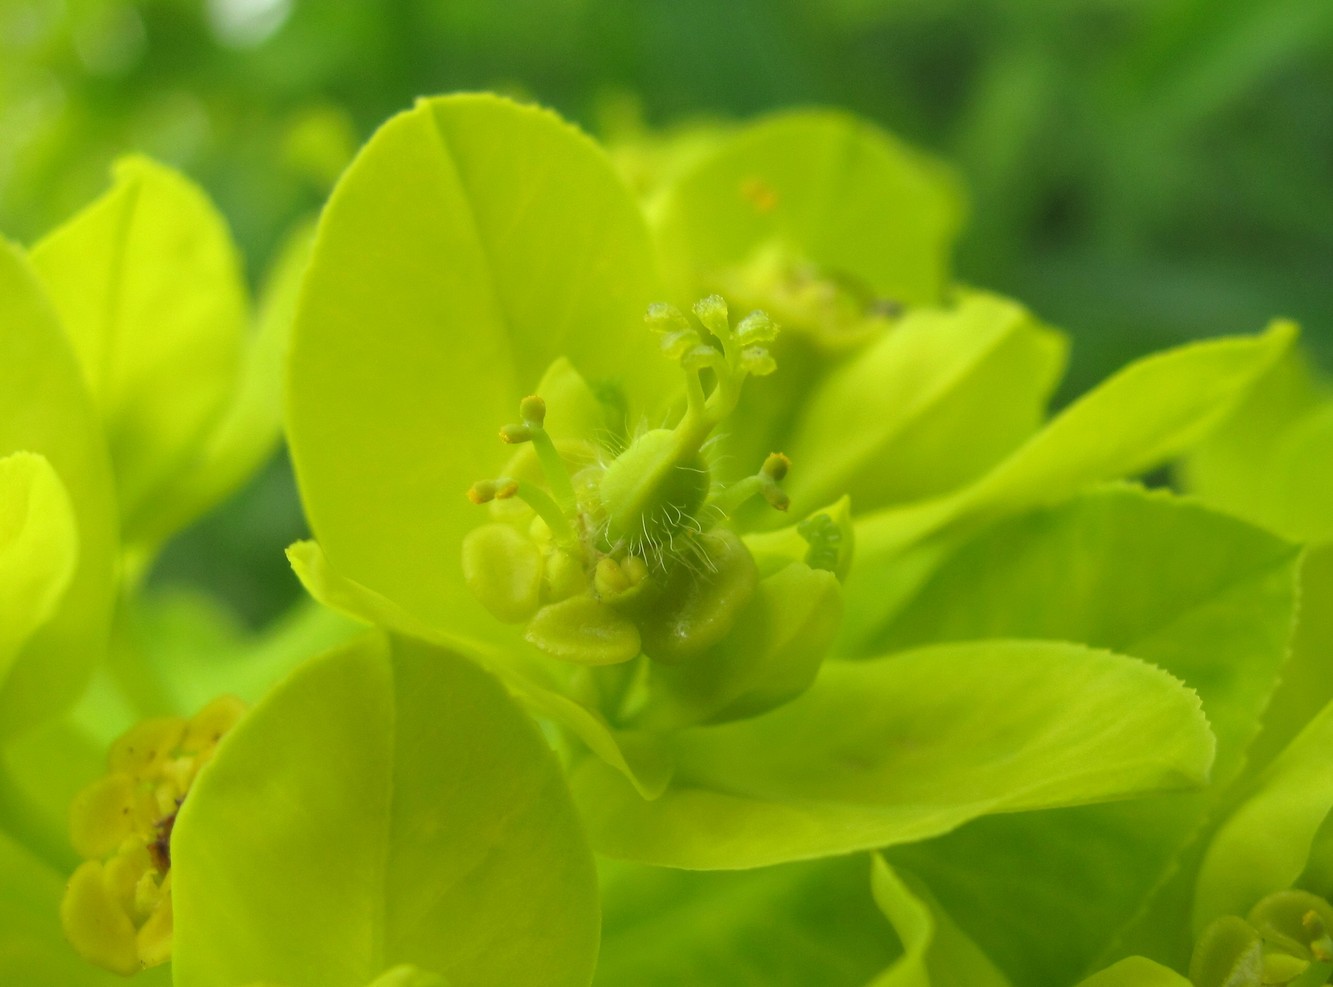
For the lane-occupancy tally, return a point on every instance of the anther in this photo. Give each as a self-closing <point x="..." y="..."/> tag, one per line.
<point x="762" y="484"/>
<point x="775" y="470"/>
<point x="776" y="466"/>
<point x="485" y="491"/>
<point x="532" y="409"/>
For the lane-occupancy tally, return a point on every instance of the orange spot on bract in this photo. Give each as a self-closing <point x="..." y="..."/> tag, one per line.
<point x="760" y="194"/>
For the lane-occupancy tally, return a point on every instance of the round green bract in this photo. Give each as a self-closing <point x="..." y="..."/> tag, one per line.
<point x="388" y="804"/>
<point x="471" y="243"/>
<point x="831" y="180"/>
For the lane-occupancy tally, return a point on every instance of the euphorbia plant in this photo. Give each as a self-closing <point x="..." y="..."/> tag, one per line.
<point x="775" y="559"/>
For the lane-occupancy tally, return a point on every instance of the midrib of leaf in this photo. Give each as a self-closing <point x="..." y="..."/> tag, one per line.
<point x="561" y="322"/>
<point x="468" y="213"/>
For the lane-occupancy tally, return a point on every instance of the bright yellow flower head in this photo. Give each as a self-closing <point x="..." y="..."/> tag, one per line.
<point x="117" y="907"/>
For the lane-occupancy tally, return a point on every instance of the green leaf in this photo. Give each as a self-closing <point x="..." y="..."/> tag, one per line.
<point x="792" y="925"/>
<point x="1148" y="413"/>
<point x="39" y="549"/>
<point x="1264" y="845"/>
<point x="906" y="747"/>
<point x="936" y="953"/>
<point x="1207" y="597"/>
<point x="1142" y="416"/>
<point x="926" y="407"/>
<point x="387" y="804"/>
<point x="148" y="285"/>
<point x="1135" y="971"/>
<point x="44" y="409"/>
<point x="840" y="192"/>
<point x="502" y="240"/>
<point x="1297" y="482"/>
<point x="249" y="427"/>
<point x="1270" y="461"/>
<point x="1305" y="686"/>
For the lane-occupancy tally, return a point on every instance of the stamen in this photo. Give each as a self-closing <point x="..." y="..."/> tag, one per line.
<point x="485" y="491"/>
<point x="542" y="504"/>
<point x="532" y="409"/>
<point x="762" y="484"/>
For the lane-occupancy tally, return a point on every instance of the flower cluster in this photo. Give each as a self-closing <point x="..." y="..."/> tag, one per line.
<point x="117" y="908"/>
<point x="607" y="546"/>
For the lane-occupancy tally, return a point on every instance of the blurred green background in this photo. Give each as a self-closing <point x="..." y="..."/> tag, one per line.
<point x="1140" y="171"/>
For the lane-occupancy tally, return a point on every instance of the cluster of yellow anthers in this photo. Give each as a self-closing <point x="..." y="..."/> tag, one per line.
<point x="117" y="908"/>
